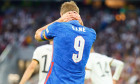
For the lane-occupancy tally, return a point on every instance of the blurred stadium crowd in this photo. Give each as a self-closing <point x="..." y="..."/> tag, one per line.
<point x="116" y="37"/>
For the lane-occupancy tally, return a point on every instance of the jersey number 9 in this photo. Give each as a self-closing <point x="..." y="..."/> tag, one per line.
<point x="79" y="44"/>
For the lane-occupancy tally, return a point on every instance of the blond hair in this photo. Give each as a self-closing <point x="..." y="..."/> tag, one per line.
<point x="69" y="6"/>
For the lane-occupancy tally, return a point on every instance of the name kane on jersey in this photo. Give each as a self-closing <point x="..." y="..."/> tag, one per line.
<point x="82" y="29"/>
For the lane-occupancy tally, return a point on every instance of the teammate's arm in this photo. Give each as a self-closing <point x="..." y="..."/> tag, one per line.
<point x="29" y="71"/>
<point x="119" y="67"/>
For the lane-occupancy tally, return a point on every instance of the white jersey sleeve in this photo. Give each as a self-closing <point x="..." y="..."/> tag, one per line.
<point x="119" y="67"/>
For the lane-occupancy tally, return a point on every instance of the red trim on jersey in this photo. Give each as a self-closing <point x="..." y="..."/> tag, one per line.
<point x="49" y="73"/>
<point x="49" y="70"/>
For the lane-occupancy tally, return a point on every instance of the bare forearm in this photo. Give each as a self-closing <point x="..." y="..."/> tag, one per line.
<point x="26" y="75"/>
<point x="65" y="18"/>
<point x="29" y="71"/>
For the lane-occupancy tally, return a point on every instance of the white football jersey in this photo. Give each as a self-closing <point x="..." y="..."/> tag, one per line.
<point x="100" y="69"/>
<point x="43" y="55"/>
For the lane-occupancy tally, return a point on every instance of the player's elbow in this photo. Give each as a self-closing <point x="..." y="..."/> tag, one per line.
<point x="37" y="36"/>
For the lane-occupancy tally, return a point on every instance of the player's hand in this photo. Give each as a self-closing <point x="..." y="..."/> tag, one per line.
<point x="68" y="16"/>
<point x="72" y="15"/>
<point x="114" y="82"/>
<point x="78" y="17"/>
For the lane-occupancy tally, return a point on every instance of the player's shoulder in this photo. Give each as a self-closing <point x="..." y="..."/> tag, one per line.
<point x="43" y="47"/>
<point x="55" y="25"/>
<point x="58" y="23"/>
<point x="62" y="24"/>
<point x="90" y="30"/>
<point x="59" y="26"/>
<point x="98" y="55"/>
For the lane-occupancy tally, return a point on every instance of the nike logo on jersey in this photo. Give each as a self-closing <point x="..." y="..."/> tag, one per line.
<point x="81" y="29"/>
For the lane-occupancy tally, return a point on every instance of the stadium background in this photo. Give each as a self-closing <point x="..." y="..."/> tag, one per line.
<point x="116" y="22"/>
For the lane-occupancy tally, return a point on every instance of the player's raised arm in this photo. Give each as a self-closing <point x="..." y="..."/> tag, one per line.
<point x="119" y="67"/>
<point x="40" y="34"/>
<point x="39" y="31"/>
<point x="29" y="71"/>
